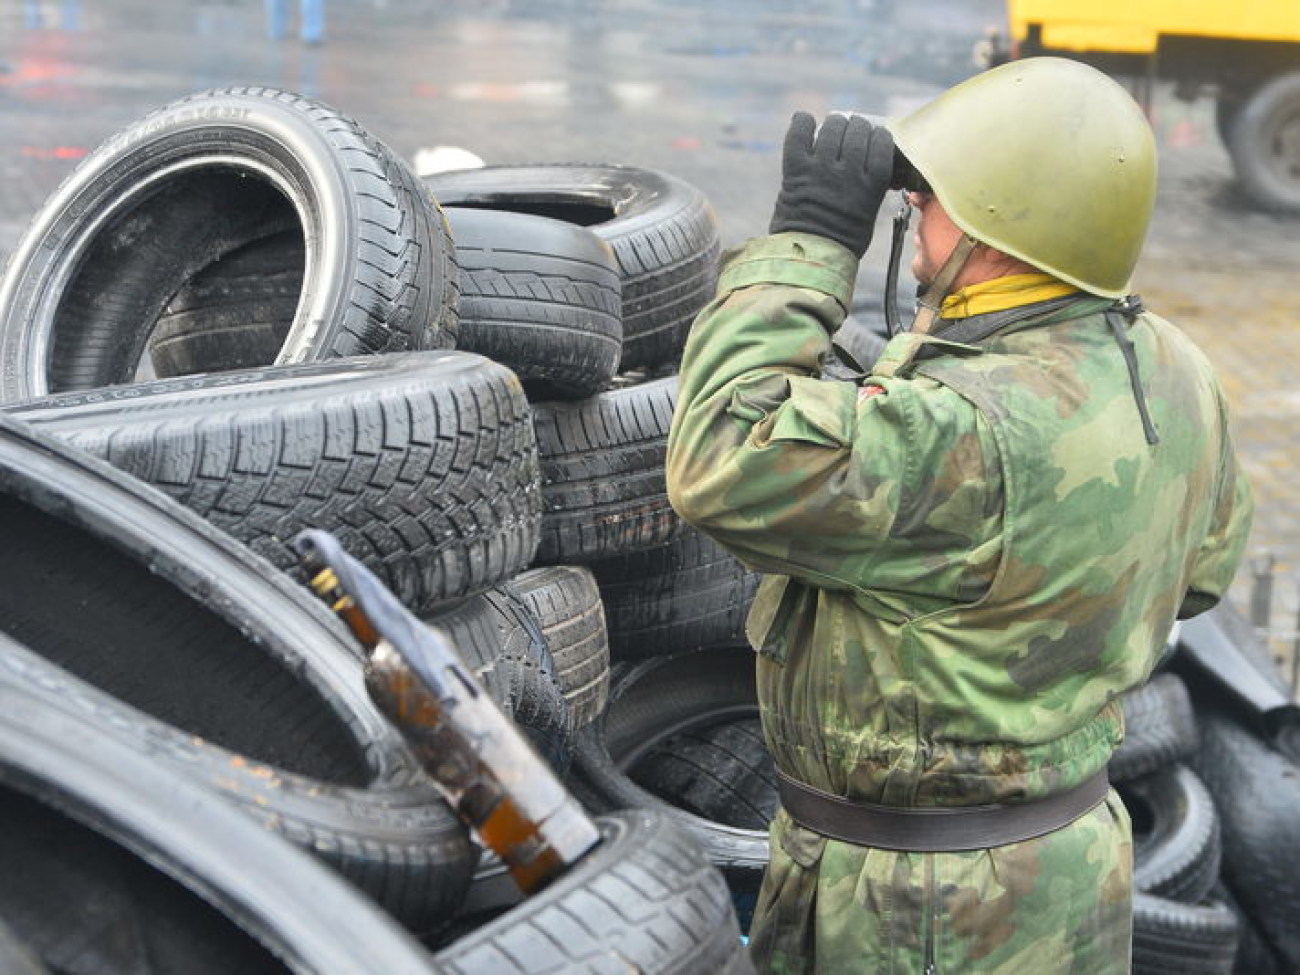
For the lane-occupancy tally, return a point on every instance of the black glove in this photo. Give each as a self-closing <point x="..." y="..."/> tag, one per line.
<point x="833" y="186"/>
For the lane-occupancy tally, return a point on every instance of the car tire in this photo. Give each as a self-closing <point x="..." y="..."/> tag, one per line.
<point x="1176" y="842"/>
<point x="688" y="594"/>
<point x="260" y="687"/>
<point x="644" y="900"/>
<point x="188" y="184"/>
<point x="423" y="464"/>
<point x="125" y="864"/>
<point x="1159" y="728"/>
<point x="602" y="469"/>
<point x="540" y="296"/>
<point x="663" y="231"/>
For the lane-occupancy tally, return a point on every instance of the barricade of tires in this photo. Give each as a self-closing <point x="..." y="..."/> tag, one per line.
<point x="245" y="316"/>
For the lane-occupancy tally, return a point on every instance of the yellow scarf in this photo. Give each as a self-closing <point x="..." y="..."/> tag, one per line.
<point x="1000" y="294"/>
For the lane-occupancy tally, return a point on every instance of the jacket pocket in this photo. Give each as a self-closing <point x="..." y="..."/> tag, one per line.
<point x="775" y="606"/>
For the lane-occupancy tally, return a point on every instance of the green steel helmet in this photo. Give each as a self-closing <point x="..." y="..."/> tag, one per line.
<point x="1045" y="159"/>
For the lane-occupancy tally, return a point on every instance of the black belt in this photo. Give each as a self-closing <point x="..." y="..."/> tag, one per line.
<point x="945" y="829"/>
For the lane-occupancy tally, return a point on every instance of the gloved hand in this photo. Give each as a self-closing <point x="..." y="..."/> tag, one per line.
<point x="832" y="185"/>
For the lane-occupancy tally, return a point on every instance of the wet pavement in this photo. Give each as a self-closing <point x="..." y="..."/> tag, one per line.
<point x="702" y="91"/>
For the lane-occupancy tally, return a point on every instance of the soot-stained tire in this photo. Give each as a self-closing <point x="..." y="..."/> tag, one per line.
<point x="722" y="772"/>
<point x="1177" y="846"/>
<point x="423" y="464"/>
<point x="541" y="296"/>
<point x="233" y="314"/>
<point x="124" y="589"/>
<point x="194" y="181"/>
<point x="602" y="468"/>
<point x="1257" y="791"/>
<point x="645" y="900"/>
<point x="663" y="231"/>
<point x="565" y="601"/>
<point x="1173" y="938"/>
<point x="117" y="862"/>
<point x="685" y="595"/>
<point x="650" y="702"/>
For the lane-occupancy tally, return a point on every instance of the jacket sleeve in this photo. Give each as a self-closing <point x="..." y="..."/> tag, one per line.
<point x="883" y="488"/>
<point x="1220" y="553"/>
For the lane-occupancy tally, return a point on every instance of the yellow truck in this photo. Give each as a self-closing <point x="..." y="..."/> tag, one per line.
<point x="1244" y="53"/>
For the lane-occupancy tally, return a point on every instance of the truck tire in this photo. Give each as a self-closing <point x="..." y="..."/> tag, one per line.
<point x="663" y="231"/>
<point x="422" y="464"/>
<point x="540" y="296"/>
<point x="192" y="182"/>
<point x="1263" y="138"/>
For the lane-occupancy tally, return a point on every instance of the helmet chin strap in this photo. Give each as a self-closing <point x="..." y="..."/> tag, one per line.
<point x="927" y="309"/>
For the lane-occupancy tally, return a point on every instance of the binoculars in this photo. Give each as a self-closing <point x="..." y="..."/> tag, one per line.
<point x="905" y="176"/>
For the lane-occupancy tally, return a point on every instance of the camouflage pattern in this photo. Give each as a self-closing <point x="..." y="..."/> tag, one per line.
<point x="970" y="554"/>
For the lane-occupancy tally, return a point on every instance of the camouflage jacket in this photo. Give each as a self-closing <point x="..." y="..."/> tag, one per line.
<point x="972" y="551"/>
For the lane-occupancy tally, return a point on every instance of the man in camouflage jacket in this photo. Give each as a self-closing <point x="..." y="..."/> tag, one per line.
<point x="974" y="549"/>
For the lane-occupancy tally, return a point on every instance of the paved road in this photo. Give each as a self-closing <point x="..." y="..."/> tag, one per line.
<point x="700" y="90"/>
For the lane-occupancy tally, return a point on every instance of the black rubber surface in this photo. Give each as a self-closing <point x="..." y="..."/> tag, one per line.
<point x="662" y="229"/>
<point x="687" y="594"/>
<point x="113" y="847"/>
<point x="423" y="465"/>
<point x="602" y="466"/>
<point x="188" y="184"/>
<point x="646" y="900"/>
<point x="1159" y="728"/>
<point x="541" y="296"/>
<point x="395" y="838"/>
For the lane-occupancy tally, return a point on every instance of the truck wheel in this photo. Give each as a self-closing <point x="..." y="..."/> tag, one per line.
<point x="1263" y="139"/>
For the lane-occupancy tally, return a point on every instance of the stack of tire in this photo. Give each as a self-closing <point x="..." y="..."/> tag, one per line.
<point x="244" y="316"/>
